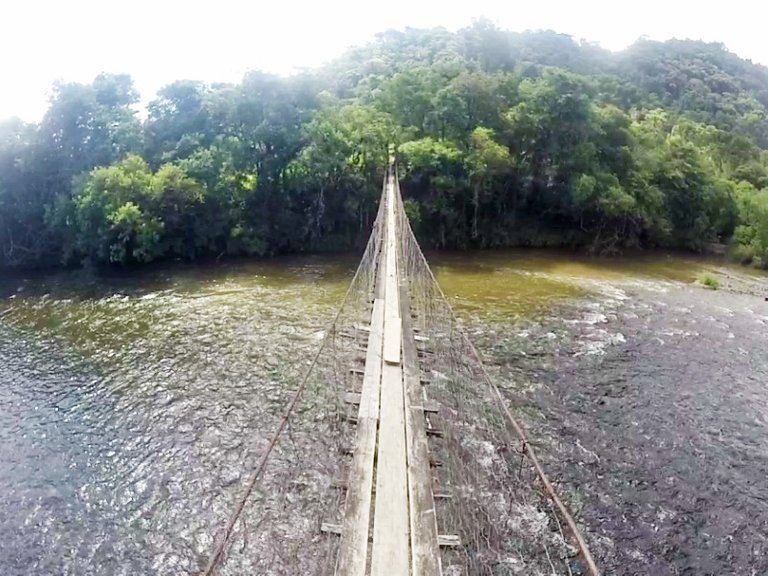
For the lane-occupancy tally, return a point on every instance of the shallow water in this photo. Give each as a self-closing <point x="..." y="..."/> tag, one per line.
<point x="131" y="406"/>
<point x="646" y="399"/>
<point x="662" y="432"/>
<point x="510" y="285"/>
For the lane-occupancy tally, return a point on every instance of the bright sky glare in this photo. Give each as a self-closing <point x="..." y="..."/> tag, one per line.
<point x="160" y="41"/>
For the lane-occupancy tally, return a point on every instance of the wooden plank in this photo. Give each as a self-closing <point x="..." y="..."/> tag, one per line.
<point x="329" y="528"/>
<point x="354" y="419"/>
<point x="381" y="261"/>
<point x="425" y="547"/>
<point x="390" y="555"/>
<point x="431" y="407"/>
<point x="358" y="335"/>
<point x="390" y="526"/>
<point x="352" y="398"/>
<point x="392" y="302"/>
<point x="444" y="540"/>
<point x="353" y="549"/>
<point x="428" y="406"/>
<point x="449" y="540"/>
<point x="369" y="404"/>
<point x="392" y="332"/>
<point x="392" y="323"/>
<point x="392" y="294"/>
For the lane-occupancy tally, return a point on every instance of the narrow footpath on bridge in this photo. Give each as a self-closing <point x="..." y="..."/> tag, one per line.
<point x="390" y="482"/>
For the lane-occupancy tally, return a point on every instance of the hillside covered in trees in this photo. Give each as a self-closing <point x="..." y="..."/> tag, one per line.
<point x="524" y="139"/>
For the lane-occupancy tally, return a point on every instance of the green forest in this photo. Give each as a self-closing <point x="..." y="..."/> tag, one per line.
<point x="503" y="139"/>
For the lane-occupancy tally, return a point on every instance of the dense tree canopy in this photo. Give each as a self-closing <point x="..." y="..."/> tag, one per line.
<point x="503" y="139"/>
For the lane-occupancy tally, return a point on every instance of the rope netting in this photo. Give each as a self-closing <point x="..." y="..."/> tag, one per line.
<point x="297" y="485"/>
<point x="490" y="490"/>
<point x="497" y="499"/>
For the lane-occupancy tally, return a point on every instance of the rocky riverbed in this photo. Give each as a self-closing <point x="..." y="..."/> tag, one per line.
<point x="648" y="403"/>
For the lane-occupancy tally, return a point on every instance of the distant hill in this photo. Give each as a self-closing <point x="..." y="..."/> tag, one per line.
<point x="503" y="138"/>
<point x="703" y="81"/>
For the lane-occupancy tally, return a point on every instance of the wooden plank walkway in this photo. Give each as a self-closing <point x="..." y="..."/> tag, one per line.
<point x="425" y="551"/>
<point x="391" y="441"/>
<point x="390" y="522"/>
<point x="353" y="551"/>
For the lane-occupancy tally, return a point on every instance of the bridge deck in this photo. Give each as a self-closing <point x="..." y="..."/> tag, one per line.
<point x="391" y="442"/>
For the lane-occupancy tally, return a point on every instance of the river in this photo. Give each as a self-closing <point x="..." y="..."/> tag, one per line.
<point x="131" y="405"/>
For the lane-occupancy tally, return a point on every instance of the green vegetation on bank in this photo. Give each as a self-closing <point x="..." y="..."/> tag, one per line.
<point x="709" y="281"/>
<point x="504" y="139"/>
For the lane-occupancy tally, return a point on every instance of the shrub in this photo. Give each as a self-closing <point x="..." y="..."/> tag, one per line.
<point x="742" y="253"/>
<point x="709" y="281"/>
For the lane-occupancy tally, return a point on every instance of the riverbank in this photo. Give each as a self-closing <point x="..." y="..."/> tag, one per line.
<point x="713" y="256"/>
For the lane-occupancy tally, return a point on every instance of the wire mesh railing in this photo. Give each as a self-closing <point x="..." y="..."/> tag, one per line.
<point x="489" y="489"/>
<point x="497" y="498"/>
<point x="297" y="483"/>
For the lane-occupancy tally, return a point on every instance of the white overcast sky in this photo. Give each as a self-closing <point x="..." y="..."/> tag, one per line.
<point x="159" y="41"/>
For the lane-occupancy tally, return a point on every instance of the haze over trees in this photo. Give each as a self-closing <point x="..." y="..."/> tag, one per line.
<point x="504" y="139"/>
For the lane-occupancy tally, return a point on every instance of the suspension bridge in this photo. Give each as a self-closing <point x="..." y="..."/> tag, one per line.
<point x="397" y="454"/>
